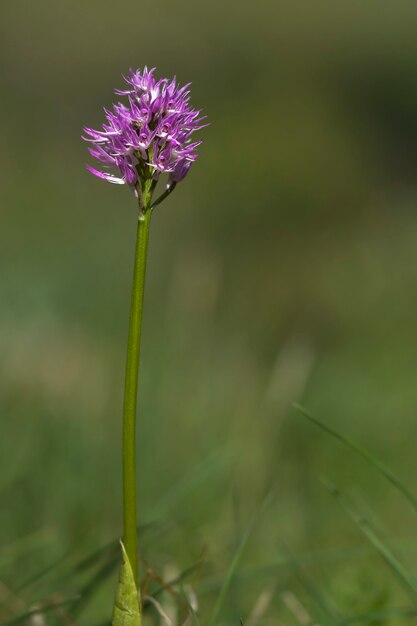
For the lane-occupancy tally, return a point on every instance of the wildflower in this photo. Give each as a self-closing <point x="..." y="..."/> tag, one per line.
<point x="149" y="136"/>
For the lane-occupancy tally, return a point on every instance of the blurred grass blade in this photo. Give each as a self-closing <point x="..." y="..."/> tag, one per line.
<point x="404" y="578"/>
<point x="261" y="605"/>
<point x="194" y="615"/>
<point x="73" y="568"/>
<point x="192" y="610"/>
<point x="34" y="578"/>
<point x="235" y="563"/>
<point x="350" y="443"/>
<point x="333" y="555"/>
<point x="200" y="472"/>
<point x="22" y="546"/>
<point x="24" y="617"/>
<point x="178" y="579"/>
<point x="88" y="590"/>
<point x="380" y="616"/>
<point x="329" y="614"/>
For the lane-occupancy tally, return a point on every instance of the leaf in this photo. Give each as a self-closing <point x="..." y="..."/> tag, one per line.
<point x="126" y="610"/>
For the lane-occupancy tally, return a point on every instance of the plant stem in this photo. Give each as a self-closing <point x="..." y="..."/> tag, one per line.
<point x="130" y="393"/>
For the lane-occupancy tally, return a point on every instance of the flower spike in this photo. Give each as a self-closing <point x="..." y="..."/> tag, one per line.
<point x="149" y="135"/>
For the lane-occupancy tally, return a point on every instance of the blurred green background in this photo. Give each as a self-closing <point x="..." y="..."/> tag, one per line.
<point x="284" y="269"/>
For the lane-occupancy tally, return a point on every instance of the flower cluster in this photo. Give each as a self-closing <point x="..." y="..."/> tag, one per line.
<point x="149" y="135"/>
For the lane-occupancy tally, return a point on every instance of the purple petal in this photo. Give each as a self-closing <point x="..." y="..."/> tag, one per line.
<point x="109" y="177"/>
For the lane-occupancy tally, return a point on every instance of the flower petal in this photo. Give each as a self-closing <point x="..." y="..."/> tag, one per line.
<point x="105" y="176"/>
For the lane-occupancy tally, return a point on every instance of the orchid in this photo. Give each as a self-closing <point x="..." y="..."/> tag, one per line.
<point x="148" y="136"/>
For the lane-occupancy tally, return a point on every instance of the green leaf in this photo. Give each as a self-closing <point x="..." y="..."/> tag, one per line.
<point x="126" y="606"/>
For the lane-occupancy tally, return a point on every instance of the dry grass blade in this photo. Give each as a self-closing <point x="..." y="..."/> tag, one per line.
<point x="297" y="609"/>
<point x="177" y="580"/>
<point x="261" y="606"/>
<point x="164" y="617"/>
<point x="191" y="600"/>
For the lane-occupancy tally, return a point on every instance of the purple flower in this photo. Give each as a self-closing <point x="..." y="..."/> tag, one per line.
<point x="148" y="135"/>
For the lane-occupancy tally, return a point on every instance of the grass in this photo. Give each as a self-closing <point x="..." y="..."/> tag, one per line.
<point x="302" y="591"/>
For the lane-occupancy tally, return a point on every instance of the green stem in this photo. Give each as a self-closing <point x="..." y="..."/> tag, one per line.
<point x="130" y="395"/>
